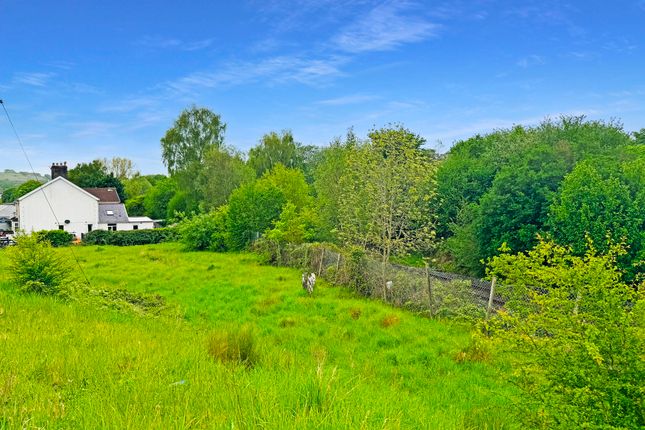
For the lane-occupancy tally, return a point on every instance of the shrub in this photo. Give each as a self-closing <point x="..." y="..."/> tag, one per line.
<point x="55" y="237"/>
<point x="575" y="332"/>
<point x="205" y="231"/>
<point x="34" y="267"/>
<point x="131" y="237"/>
<point x="236" y="345"/>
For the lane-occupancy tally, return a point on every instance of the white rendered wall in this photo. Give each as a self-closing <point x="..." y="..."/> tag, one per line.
<point x="67" y="202"/>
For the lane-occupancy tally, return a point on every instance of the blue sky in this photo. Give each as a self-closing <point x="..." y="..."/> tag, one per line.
<point x="84" y="80"/>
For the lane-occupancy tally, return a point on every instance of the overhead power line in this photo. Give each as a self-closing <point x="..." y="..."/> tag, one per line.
<point x="22" y="147"/>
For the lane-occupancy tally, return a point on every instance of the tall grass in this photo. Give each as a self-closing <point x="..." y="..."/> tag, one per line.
<point x="242" y="346"/>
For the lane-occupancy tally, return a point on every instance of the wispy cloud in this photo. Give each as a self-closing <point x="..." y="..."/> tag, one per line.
<point x="90" y="129"/>
<point x="348" y="100"/>
<point x="36" y="79"/>
<point x="385" y="27"/>
<point x="280" y="69"/>
<point x="530" y="61"/>
<point x="157" y="42"/>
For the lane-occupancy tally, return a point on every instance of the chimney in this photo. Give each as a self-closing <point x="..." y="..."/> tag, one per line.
<point x="59" y="169"/>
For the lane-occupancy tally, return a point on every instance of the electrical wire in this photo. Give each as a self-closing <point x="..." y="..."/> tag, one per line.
<point x="22" y="147"/>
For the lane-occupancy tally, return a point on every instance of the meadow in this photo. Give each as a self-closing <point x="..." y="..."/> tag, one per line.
<point x="145" y="347"/>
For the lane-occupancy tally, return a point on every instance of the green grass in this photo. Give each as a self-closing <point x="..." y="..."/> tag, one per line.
<point x="333" y="360"/>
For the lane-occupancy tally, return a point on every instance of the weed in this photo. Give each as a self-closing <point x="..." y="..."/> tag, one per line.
<point x="235" y="345"/>
<point x="390" y="320"/>
<point x="355" y="313"/>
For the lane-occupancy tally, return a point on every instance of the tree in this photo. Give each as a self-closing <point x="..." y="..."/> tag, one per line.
<point x="276" y="148"/>
<point x="223" y="171"/>
<point x="12" y="194"/>
<point x="574" y="331"/>
<point x="157" y="199"/>
<point x="292" y="185"/>
<point x="95" y="175"/>
<point x="193" y="134"/>
<point x="252" y="209"/>
<point x="385" y="194"/>
<point x="121" y="168"/>
<point x="327" y="174"/>
<point x="136" y="186"/>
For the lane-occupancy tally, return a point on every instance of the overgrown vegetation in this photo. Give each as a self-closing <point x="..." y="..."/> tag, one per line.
<point x="55" y="237"/>
<point x="33" y="267"/>
<point x="322" y="362"/>
<point x="576" y="335"/>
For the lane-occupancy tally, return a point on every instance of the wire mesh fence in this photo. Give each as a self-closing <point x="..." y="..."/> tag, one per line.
<point x="419" y="289"/>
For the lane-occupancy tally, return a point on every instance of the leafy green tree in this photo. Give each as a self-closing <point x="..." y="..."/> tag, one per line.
<point x="95" y="175"/>
<point x="193" y="134"/>
<point x="575" y="333"/>
<point x="136" y="186"/>
<point x="206" y="231"/>
<point x="136" y="206"/>
<point x="223" y="171"/>
<point x="120" y="167"/>
<point x="252" y="209"/>
<point x="328" y="172"/>
<point x="276" y="148"/>
<point x="12" y="194"/>
<point x="157" y="199"/>
<point x="292" y="185"/>
<point x="295" y="226"/>
<point x="385" y="194"/>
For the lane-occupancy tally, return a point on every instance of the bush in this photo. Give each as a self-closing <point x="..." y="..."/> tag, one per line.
<point x="54" y="237"/>
<point x="575" y="332"/>
<point x="35" y="268"/>
<point x="236" y="345"/>
<point x="131" y="237"/>
<point x="205" y="231"/>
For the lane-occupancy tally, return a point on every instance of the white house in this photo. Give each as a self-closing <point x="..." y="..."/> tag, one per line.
<point x="61" y="205"/>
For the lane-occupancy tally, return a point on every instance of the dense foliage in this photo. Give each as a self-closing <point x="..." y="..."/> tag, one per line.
<point x="34" y="268"/>
<point x="576" y="335"/>
<point x="96" y="175"/>
<point x="11" y="194"/>
<point x="131" y="237"/>
<point x="55" y="237"/>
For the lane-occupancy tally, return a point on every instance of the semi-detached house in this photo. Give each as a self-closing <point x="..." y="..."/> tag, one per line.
<point x="61" y="205"/>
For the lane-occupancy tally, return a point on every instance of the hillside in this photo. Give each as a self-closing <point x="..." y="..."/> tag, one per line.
<point x="10" y="178"/>
<point x="116" y="360"/>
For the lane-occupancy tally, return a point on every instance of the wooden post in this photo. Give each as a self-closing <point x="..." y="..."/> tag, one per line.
<point x="337" y="268"/>
<point x="430" y="295"/>
<point x="489" y="309"/>
<point x="322" y="259"/>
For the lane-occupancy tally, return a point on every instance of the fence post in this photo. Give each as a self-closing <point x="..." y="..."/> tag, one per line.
<point x="337" y="268"/>
<point x="322" y="259"/>
<point x="489" y="309"/>
<point x="430" y="292"/>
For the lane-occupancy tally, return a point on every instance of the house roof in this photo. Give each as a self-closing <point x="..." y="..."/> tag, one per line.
<point x="105" y="195"/>
<point x="59" y="178"/>
<point x="112" y="213"/>
<point x="7" y="211"/>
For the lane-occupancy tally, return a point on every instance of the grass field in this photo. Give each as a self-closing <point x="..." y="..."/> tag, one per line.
<point x="329" y="361"/>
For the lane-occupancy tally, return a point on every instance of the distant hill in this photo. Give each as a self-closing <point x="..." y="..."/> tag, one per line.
<point x="10" y="178"/>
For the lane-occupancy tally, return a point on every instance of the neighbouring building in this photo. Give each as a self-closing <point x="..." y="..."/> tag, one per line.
<point x="60" y="204"/>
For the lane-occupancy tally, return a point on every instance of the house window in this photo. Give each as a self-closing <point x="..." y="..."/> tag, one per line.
<point x="61" y="227"/>
<point x="89" y="228"/>
<point x="111" y="227"/>
<point x="135" y="227"/>
<point x="111" y="213"/>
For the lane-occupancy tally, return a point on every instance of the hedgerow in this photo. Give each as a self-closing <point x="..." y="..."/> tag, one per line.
<point x="131" y="237"/>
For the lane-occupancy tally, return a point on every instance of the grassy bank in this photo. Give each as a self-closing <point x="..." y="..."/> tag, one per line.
<point x="329" y="361"/>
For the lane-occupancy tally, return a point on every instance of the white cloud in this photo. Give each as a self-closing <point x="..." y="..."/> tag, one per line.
<point x="348" y="100"/>
<point x="384" y="28"/>
<point x="531" y="60"/>
<point x="158" y="42"/>
<point x="280" y="69"/>
<point x="37" y="79"/>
